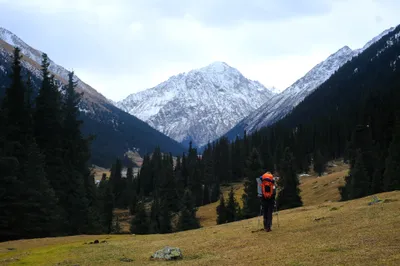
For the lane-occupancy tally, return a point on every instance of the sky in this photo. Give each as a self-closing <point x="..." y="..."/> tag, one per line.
<point x="121" y="47"/>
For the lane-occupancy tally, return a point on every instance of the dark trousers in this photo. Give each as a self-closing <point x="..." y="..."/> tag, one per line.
<point x="268" y="209"/>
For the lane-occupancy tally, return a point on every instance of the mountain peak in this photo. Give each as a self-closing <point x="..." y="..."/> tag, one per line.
<point x="200" y="105"/>
<point x="216" y="67"/>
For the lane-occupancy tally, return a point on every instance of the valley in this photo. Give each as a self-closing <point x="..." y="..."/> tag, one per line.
<point x="324" y="233"/>
<point x="85" y="180"/>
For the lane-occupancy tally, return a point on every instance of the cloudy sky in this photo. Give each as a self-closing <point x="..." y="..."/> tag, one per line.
<point x="124" y="46"/>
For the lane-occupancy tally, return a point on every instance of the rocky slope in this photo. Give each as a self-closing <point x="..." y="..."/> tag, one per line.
<point x="200" y="105"/>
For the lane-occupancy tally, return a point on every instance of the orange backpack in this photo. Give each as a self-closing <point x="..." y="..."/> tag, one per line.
<point x="267" y="185"/>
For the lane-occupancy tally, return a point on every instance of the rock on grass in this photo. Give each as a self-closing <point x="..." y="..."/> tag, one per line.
<point x="167" y="253"/>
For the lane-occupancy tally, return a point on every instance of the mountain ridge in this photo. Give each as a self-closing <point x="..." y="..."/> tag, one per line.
<point x="281" y="104"/>
<point x="101" y="117"/>
<point x="199" y="105"/>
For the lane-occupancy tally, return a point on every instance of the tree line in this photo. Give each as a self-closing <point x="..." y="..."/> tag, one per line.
<point x="46" y="184"/>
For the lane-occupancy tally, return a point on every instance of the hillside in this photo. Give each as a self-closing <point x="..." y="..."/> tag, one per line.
<point x="314" y="190"/>
<point x="200" y="105"/>
<point x="343" y="233"/>
<point x="116" y="131"/>
<point x="283" y="103"/>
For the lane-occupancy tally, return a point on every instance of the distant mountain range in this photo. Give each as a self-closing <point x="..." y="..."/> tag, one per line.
<point x="116" y="131"/>
<point x="281" y="104"/>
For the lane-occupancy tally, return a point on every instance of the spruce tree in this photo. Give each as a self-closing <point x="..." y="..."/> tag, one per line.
<point x="11" y="212"/>
<point x="187" y="218"/>
<point x="251" y="203"/>
<point x="49" y="134"/>
<point x="118" y="184"/>
<point x="221" y="210"/>
<point x="289" y="193"/>
<point x="154" y="223"/>
<point x="132" y="205"/>
<point x="232" y="207"/>
<point x="140" y="222"/>
<point x="106" y="203"/>
<point x="41" y="212"/>
<point x="167" y="185"/>
<point x="83" y="206"/>
<point x="392" y="169"/>
<point x="319" y="163"/>
<point x="358" y="181"/>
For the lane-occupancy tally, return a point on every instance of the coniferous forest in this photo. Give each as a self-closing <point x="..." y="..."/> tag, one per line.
<point x="47" y="187"/>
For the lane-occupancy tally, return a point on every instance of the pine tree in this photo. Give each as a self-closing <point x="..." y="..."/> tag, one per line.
<point x="289" y="194"/>
<point x="165" y="218"/>
<point x="12" y="155"/>
<point x="221" y="210"/>
<point x="132" y="205"/>
<point x="251" y="203"/>
<point x="49" y="134"/>
<point x="232" y="207"/>
<point x="83" y="208"/>
<point x="357" y="183"/>
<point x="167" y="185"/>
<point x="392" y="169"/>
<point x="319" y="163"/>
<point x="106" y="203"/>
<point x="187" y="218"/>
<point x="41" y="213"/>
<point x="118" y="184"/>
<point x="116" y="229"/>
<point x="10" y="198"/>
<point x="140" y="223"/>
<point x="154" y="227"/>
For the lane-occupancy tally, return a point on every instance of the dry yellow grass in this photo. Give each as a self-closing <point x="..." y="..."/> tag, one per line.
<point x="316" y="190"/>
<point x="338" y="233"/>
<point x="207" y="214"/>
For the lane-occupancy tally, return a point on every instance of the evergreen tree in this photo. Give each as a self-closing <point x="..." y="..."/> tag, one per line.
<point x="49" y="134"/>
<point x="165" y="218"/>
<point x="319" y="163"/>
<point x="132" y="205"/>
<point x="106" y="202"/>
<point x="357" y="181"/>
<point x="392" y="169"/>
<point x="10" y="198"/>
<point x="168" y="188"/>
<point x="251" y="203"/>
<point x="154" y="227"/>
<point x="289" y="194"/>
<point x="118" y="184"/>
<point x="83" y="207"/>
<point x="116" y="229"/>
<point x="40" y="211"/>
<point x="221" y="210"/>
<point x="232" y="207"/>
<point x="187" y="218"/>
<point x="140" y="223"/>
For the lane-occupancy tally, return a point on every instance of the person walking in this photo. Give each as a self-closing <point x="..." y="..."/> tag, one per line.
<point x="267" y="198"/>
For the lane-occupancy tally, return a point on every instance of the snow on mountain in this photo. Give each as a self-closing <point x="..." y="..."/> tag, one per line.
<point x="115" y="130"/>
<point x="281" y="104"/>
<point x="36" y="57"/>
<point x="200" y="105"/>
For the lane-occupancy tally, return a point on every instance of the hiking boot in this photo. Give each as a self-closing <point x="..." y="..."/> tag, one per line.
<point x="267" y="229"/>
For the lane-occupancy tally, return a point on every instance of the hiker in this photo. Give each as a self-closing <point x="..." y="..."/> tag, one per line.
<point x="267" y="198"/>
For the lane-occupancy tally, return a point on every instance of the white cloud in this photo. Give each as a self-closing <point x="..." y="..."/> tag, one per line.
<point x="123" y="46"/>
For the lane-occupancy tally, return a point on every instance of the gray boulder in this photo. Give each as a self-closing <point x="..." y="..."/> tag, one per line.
<point x="167" y="253"/>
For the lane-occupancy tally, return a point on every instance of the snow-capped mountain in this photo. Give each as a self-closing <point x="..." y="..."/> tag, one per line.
<point x="281" y="104"/>
<point x="36" y="56"/>
<point x="116" y="131"/>
<point x="200" y="105"/>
